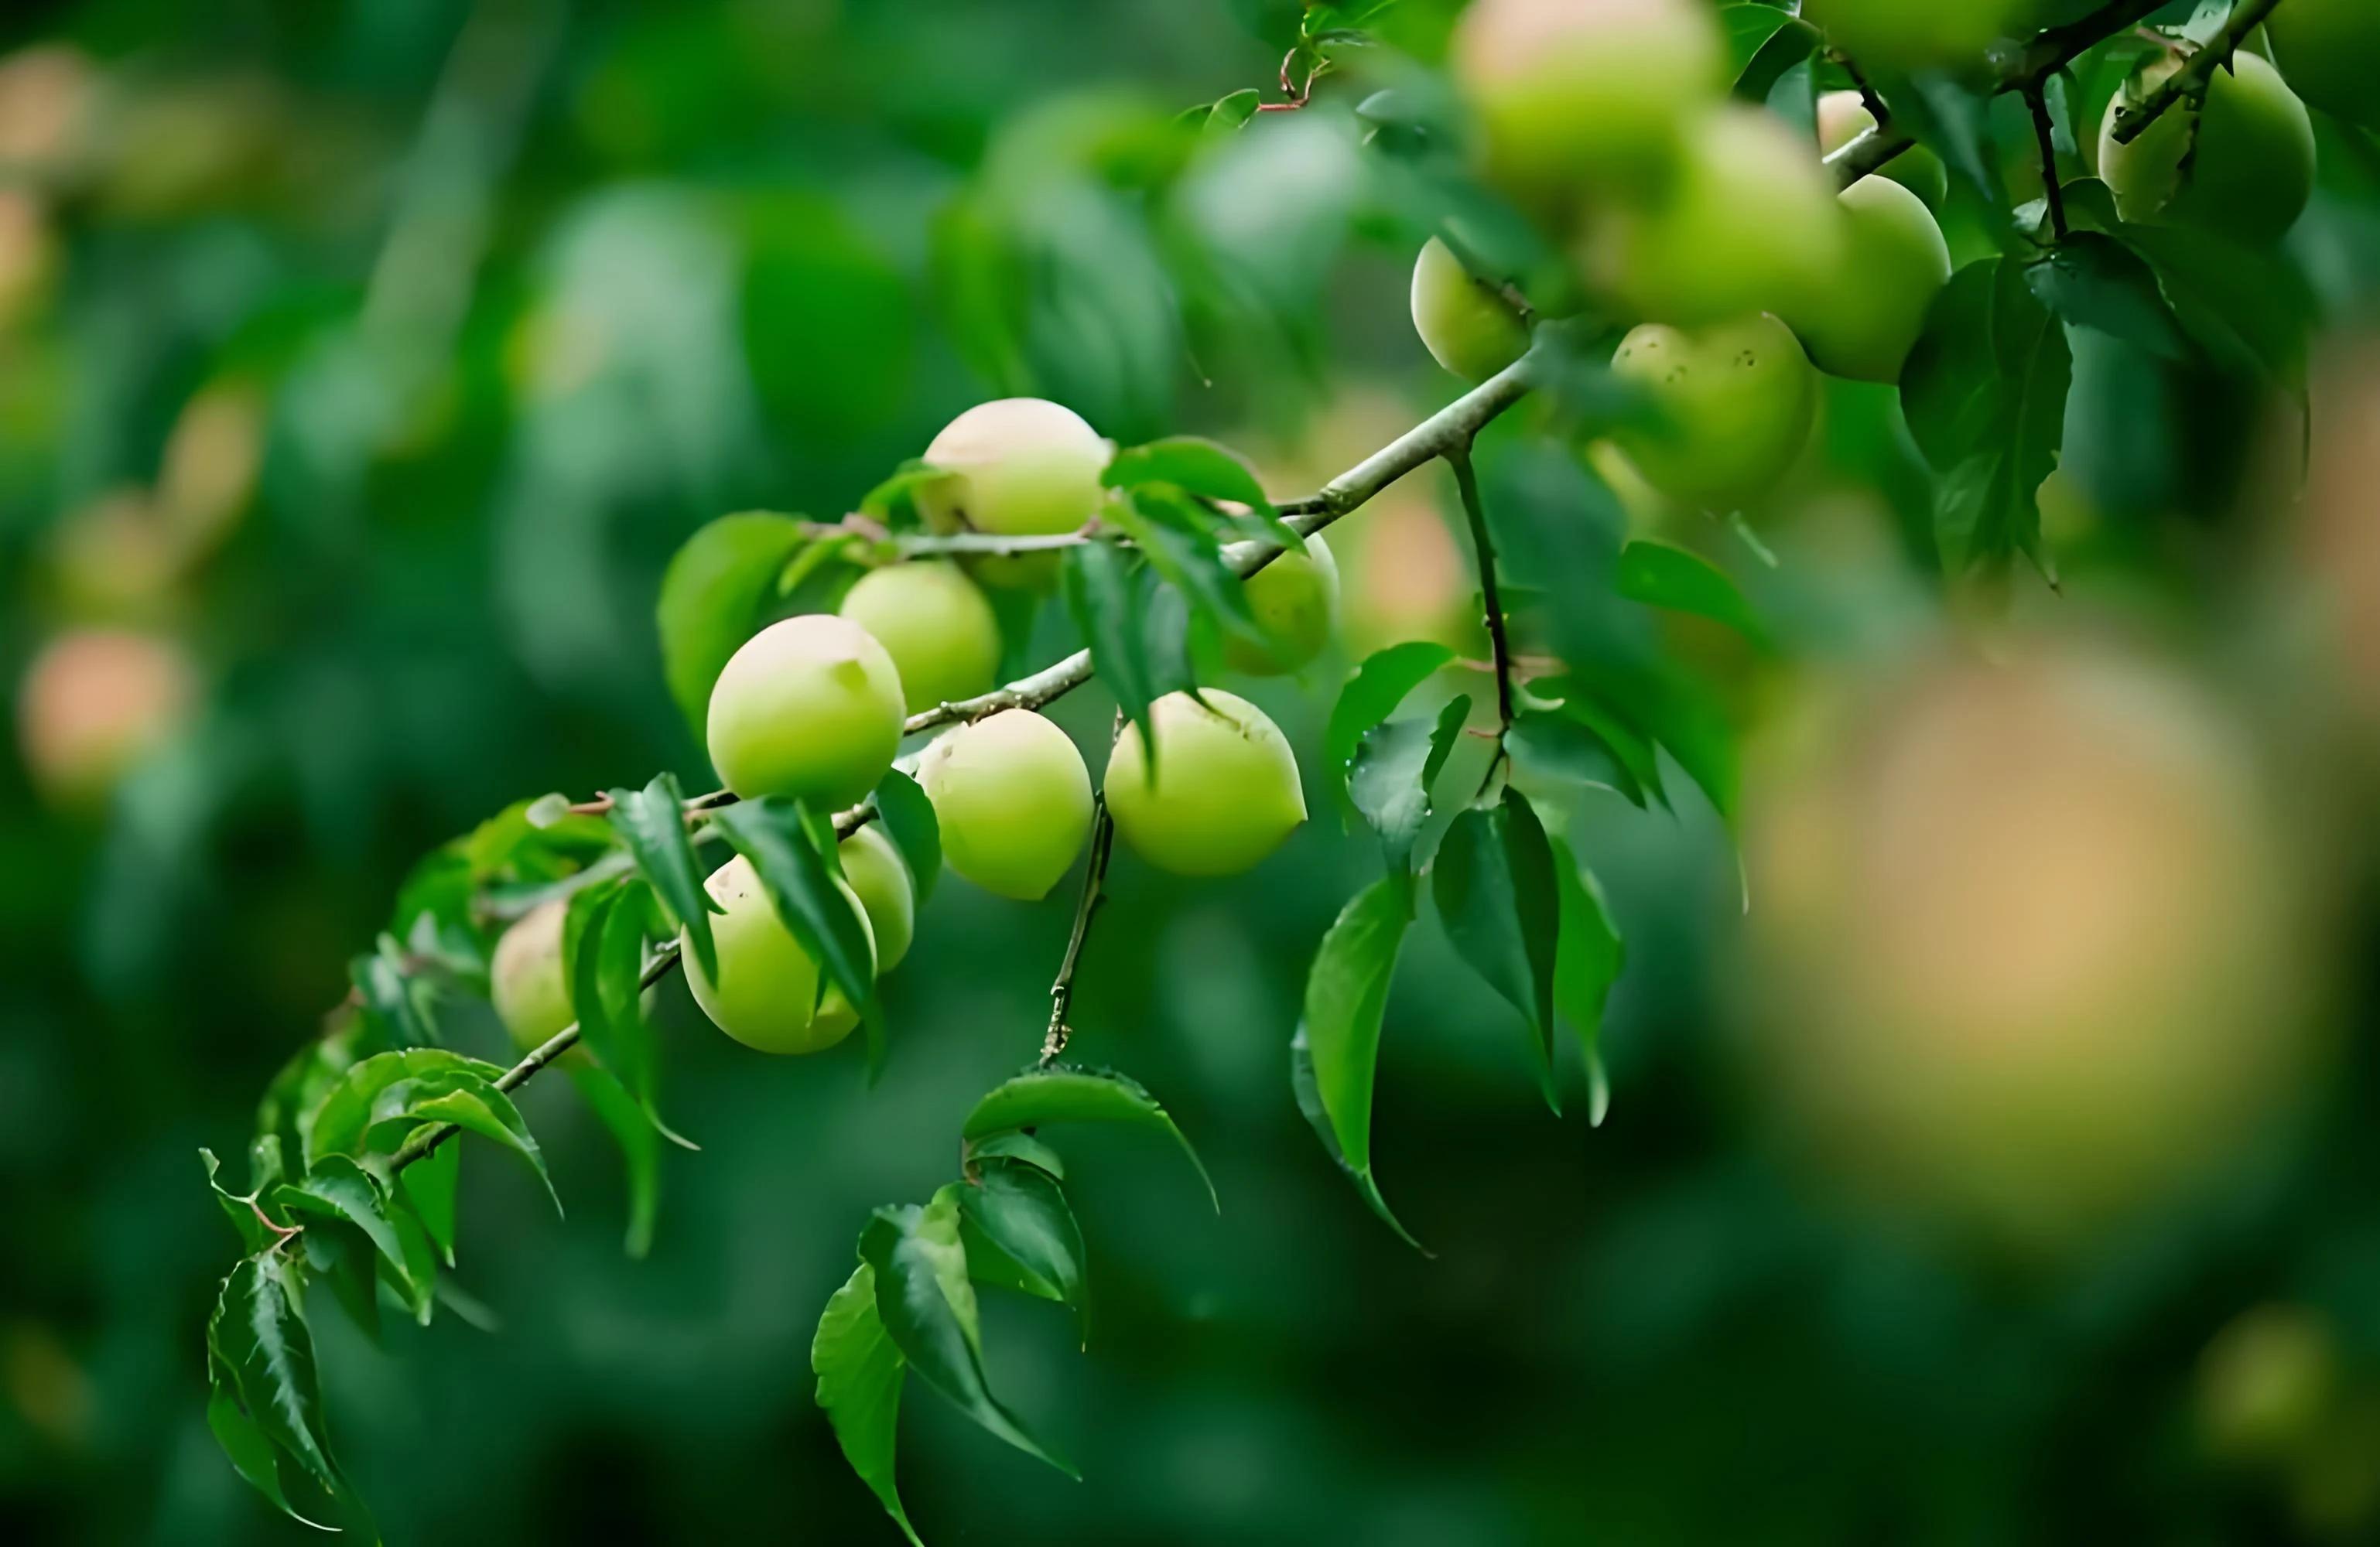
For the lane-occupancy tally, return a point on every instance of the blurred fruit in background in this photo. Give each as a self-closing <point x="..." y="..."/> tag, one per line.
<point x="93" y="703"/>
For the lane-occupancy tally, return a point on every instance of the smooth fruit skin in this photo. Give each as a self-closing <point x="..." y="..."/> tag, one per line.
<point x="2330" y="51"/>
<point x="1296" y="600"/>
<point x="766" y="993"/>
<point x="1014" y="800"/>
<point x="1226" y="791"/>
<point x="1467" y="328"/>
<point x="810" y="708"/>
<point x="1737" y="402"/>
<point x="935" y="623"/>
<point x="1842" y="119"/>
<point x="1864" y="326"/>
<point x="2242" y="165"/>
<point x="1916" y="33"/>
<point x="880" y="877"/>
<point x="525" y="978"/>
<point x="1749" y="225"/>
<point x="1573" y="94"/>
<point x="1019" y="467"/>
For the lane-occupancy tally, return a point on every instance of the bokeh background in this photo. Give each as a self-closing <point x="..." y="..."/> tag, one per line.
<point x="1989" y="1156"/>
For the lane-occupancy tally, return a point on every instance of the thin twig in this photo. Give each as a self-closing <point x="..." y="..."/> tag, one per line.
<point x="2190" y="82"/>
<point x="1466" y="484"/>
<point x="1087" y="907"/>
<point x="2045" y="133"/>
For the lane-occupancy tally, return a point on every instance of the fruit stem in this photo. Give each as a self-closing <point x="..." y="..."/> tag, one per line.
<point x="1483" y="546"/>
<point x="1095" y="874"/>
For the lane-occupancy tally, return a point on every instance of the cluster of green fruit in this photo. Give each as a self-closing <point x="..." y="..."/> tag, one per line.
<point x="1717" y="228"/>
<point x="814" y="708"/>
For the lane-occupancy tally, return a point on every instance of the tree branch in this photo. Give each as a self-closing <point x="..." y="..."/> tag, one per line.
<point x="2045" y="135"/>
<point x="2192" y="79"/>
<point x="1483" y="546"/>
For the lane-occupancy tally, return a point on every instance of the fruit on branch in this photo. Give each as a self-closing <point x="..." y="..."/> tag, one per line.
<point x="879" y="878"/>
<point x="2242" y="165"/>
<point x="1014" y="800"/>
<point x="1863" y="325"/>
<point x="525" y="978"/>
<point x="1843" y="117"/>
<point x="2267" y="1383"/>
<point x="1019" y="467"/>
<point x="1735" y="405"/>
<point x="1225" y="792"/>
<point x="94" y="704"/>
<point x="2330" y="51"/>
<point x="935" y="623"/>
<point x="1296" y="600"/>
<point x="767" y="996"/>
<point x="1572" y="93"/>
<point x="810" y="708"/>
<point x="1466" y="326"/>
<point x="1913" y="34"/>
<point x="1749" y="223"/>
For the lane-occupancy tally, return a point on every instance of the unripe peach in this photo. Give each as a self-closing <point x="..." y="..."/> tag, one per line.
<point x="942" y="635"/>
<point x="1584" y="92"/>
<point x="1019" y="467"/>
<point x="526" y="980"/>
<point x="1736" y="404"/>
<point x="95" y="703"/>
<point x="1913" y="34"/>
<point x="2243" y="164"/>
<point x="2330" y="51"/>
<point x="1296" y="600"/>
<point x="1749" y="223"/>
<point x="1225" y="790"/>
<point x="766" y="993"/>
<point x="1014" y="801"/>
<point x="1843" y="117"/>
<point x="880" y="877"/>
<point x="1467" y="327"/>
<point x="810" y="708"/>
<point x="1863" y="325"/>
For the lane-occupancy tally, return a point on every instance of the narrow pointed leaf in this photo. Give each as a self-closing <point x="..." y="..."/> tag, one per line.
<point x="908" y="820"/>
<point x="1373" y="693"/>
<point x="1302" y="1085"/>
<point x="339" y="1188"/>
<point x="1500" y="905"/>
<point x="1063" y="1093"/>
<point x="859" y="1373"/>
<point x="488" y="1112"/>
<point x="652" y="822"/>
<point x="1346" y="997"/>
<point x="1661" y="575"/>
<point x="774" y="835"/>
<point x="1587" y="962"/>
<point x="1020" y="1232"/>
<point x="640" y="1148"/>
<point x="1386" y="784"/>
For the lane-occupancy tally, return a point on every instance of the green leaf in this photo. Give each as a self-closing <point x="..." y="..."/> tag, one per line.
<point x="1308" y="1092"/>
<point x="603" y="962"/>
<point x="652" y="823"/>
<point x="1372" y="694"/>
<point x="396" y="1001"/>
<point x="1948" y="119"/>
<point x="928" y="1306"/>
<point x="340" y="1189"/>
<point x="1500" y="906"/>
<point x="1019" y="1146"/>
<point x="2093" y="281"/>
<point x="859" y="1373"/>
<point x="1587" y="962"/>
<point x="1549" y="743"/>
<point x="1189" y="557"/>
<point x="488" y="1112"/>
<point x="1747" y="29"/>
<point x="909" y="822"/>
<point x="1108" y="606"/>
<point x="640" y="1147"/>
<point x="1231" y="112"/>
<point x="340" y="1119"/>
<point x="775" y="835"/>
<point x="251" y="1454"/>
<point x="238" y="1207"/>
<point x="1020" y="1232"/>
<point x="1063" y="1093"/>
<point x="1388" y="787"/>
<point x="1444" y="736"/>
<point x="257" y="1341"/>
<point x="428" y="1187"/>
<point x="1661" y="575"/>
<point x="710" y="600"/>
<point x="1779" y="47"/>
<point x="1195" y="465"/>
<point x="1346" y="997"/>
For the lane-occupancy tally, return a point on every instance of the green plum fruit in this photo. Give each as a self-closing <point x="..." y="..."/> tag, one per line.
<point x="1014" y="800"/>
<point x="525" y="978"/>
<point x="1919" y="34"/>
<point x="1736" y="404"/>
<point x="1467" y="327"/>
<point x="767" y="994"/>
<point x="2330" y="51"/>
<point x="1019" y="467"/>
<point x="2242" y="165"/>
<point x="1843" y="117"/>
<point x="935" y="623"/>
<point x="1864" y="326"/>
<point x="810" y="708"/>
<point x="1750" y="224"/>
<point x="1223" y="792"/>
<point x="1296" y="600"/>
<point x="1581" y="95"/>
<point x="879" y="878"/>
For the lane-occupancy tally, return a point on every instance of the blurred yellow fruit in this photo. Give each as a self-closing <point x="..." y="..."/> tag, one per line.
<point x="526" y="980"/>
<point x="95" y="703"/>
<point x="2266" y="1382"/>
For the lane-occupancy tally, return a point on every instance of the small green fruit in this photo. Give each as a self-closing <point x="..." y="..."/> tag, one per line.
<point x="767" y="994"/>
<point x="1736" y="401"/>
<point x="879" y="878"/>
<point x="1019" y="467"/>
<point x="1014" y="801"/>
<point x="1467" y="327"/>
<point x="2330" y="51"/>
<point x="1917" y="35"/>
<point x="1226" y="791"/>
<point x="1843" y="117"/>
<point x="1749" y="225"/>
<point x="2242" y="165"/>
<point x="1864" y="326"/>
<point x="526" y="980"/>
<point x="935" y="623"/>
<point x="1296" y="600"/>
<point x="1584" y="93"/>
<point x="809" y="707"/>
